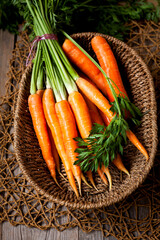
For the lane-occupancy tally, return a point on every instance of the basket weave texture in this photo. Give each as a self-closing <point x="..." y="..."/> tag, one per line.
<point x="139" y="84"/>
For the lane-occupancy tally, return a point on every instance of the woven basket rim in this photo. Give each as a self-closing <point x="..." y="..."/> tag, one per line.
<point x="152" y="155"/>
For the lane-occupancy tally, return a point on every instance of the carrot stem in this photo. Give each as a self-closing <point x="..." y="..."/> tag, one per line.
<point x="35" y="70"/>
<point x="40" y="78"/>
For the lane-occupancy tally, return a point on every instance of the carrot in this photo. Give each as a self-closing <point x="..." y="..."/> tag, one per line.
<point x="95" y="96"/>
<point x="106" y="171"/>
<point x="117" y="161"/>
<point x="102" y="176"/>
<point x="84" y="64"/>
<point x="102" y="103"/>
<point x="109" y="64"/>
<point x="98" y="119"/>
<point x="83" y="119"/>
<point x="40" y="127"/>
<point x="94" y="113"/>
<point x="40" y="92"/>
<point x="69" y="132"/>
<point x="105" y="118"/>
<point x="54" y="149"/>
<point x="53" y="123"/>
<point x="136" y="142"/>
<point x="119" y="164"/>
<point x="93" y="110"/>
<point x="90" y="177"/>
<point x="81" y="113"/>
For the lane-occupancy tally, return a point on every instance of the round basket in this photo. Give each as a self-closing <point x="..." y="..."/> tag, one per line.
<point x="139" y="84"/>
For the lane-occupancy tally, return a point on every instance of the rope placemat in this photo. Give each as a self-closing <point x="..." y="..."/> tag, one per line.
<point x="21" y="204"/>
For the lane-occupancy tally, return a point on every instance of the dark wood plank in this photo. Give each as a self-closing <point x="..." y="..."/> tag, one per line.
<point x="22" y="232"/>
<point x="68" y="234"/>
<point x="95" y="235"/>
<point x="6" y="47"/>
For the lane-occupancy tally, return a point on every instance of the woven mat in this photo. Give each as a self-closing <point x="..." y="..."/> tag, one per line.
<point x="21" y="204"/>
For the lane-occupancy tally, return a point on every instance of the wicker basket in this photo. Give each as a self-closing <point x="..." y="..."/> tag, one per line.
<point x="139" y="84"/>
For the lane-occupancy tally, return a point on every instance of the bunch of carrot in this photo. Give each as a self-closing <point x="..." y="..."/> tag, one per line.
<point x="64" y="104"/>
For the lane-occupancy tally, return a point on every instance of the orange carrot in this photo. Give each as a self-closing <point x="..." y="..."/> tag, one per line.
<point x="83" y="119"/>
<point x="109" y="64"/>
<point x="69" y="132"/>
<point x="40" y="127"/>
<point x="119" y="164"/>
<point x="53" y="123"/>
<point x="102" y="103"/>
<point x="94" y="113"/>
<point x="81" y="113"/>
<point x="54" y="149"/>
<point x="95" y="96"/>
<point x="136" y="142"/>
<point x="40" y="92"/>
<point x="106" y="171"/>
<point x="117" y="161"/>
<point x="93" y="110"/>
<point x="105" y="118"/>
<point x="84" y="64"/>
<point x="102" y="176"/>
<point x="98" y="119"/>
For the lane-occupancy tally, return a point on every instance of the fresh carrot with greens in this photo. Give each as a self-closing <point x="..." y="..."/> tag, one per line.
<point x="109" y="64"/>
<point x="69" y="132"/>
<point x="53" y="123"/>
<point x="102" y="103"/>
<point x="40" y="127"/>
<point x="84" y="123"/>
<point x="96" y="117"/>
<point x="82" y="116"/>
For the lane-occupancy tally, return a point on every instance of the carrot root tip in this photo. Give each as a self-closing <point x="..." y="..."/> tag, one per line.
<point x="79" y="185"/>
<point x="56" y="182"/>
<point x="85" y="181"/>
<point x="62" y="176"/>
<point x="94" y="186"/>
<point x="126" y="171"/>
